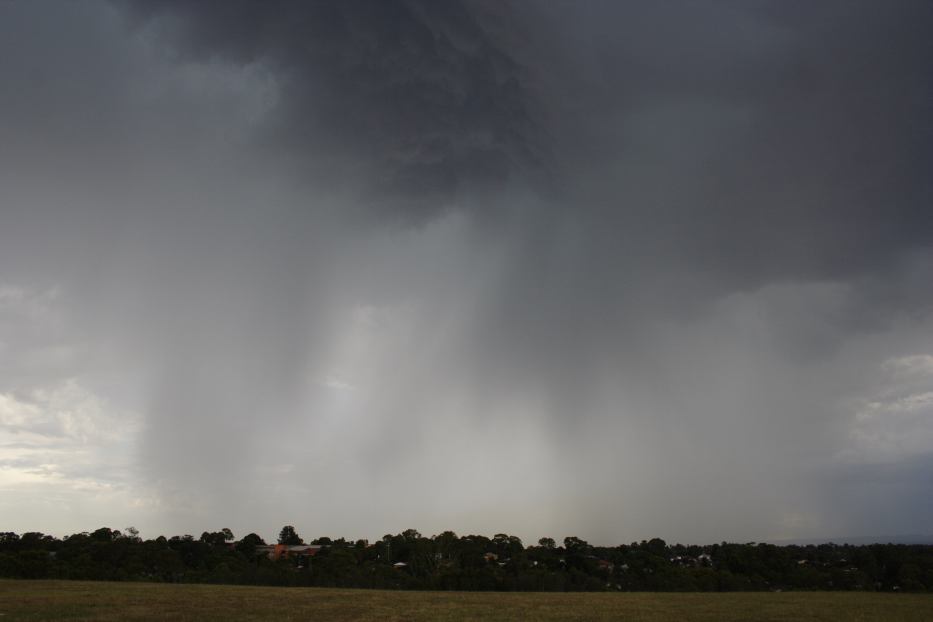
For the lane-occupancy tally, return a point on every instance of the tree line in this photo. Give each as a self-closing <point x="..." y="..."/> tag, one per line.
<point x="450" y="562"/>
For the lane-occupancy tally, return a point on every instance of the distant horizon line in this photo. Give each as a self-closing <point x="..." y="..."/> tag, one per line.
<point x="907" y="539"/>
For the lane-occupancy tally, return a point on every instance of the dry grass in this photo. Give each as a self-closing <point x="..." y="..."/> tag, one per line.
<point x="65" y="600"/>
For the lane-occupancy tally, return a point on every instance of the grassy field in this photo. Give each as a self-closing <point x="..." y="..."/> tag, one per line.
<point x="65" y="600"/>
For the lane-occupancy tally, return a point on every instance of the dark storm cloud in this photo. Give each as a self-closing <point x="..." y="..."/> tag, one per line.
<point x="415" y="99"/>
<point x="690" y="152"/>
<point x="762" y="140"/>
<point x="451" y="259"/>
<point x="742" y="136"/>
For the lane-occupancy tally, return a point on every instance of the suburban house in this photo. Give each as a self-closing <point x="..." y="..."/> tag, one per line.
<point x="288" y="551"/>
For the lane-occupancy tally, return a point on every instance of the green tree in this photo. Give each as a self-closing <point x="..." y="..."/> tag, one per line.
<point x="247" y="546"/>
<point x="446" y="543"/>
<point x="288" y="535"/>
<point x="574" y="544"/>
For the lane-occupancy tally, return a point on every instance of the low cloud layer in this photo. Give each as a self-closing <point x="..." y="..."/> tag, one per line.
<point x="612" y="270"/>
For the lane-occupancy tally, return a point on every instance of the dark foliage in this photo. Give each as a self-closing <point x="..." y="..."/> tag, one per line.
<point x="448" y="562"/>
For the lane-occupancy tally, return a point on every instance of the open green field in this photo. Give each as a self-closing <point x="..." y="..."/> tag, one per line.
<point x="66" y="600"/>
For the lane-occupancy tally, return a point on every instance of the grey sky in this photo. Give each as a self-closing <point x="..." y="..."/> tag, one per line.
<point x="614" y="270"/>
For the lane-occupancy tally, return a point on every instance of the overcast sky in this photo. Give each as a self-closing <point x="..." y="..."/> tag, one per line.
<point x="617" y="270"/>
